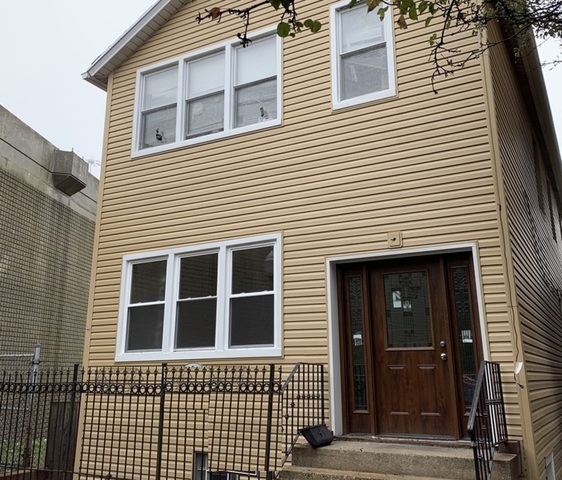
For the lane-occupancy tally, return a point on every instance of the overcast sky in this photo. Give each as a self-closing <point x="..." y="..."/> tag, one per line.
<point x="45" y="46"/>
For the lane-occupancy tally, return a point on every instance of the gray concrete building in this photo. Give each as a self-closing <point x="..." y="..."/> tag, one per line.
<point x="48" y="203"/>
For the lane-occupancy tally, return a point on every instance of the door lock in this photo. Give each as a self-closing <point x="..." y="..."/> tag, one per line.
<point x="443" y="356"/>
<point x="442" y="343"/>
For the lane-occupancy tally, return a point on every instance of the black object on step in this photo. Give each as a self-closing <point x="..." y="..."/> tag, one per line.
<point x="318" y="435"/>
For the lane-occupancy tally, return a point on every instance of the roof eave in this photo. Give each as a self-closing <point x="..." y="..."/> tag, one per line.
<point x="154" y="18"/>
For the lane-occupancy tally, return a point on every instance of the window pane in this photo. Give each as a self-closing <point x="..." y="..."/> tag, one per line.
<point x="205" y="75"/>
<point x="251" y="321"/>
<point x="205" y="115"/>
<point x="364" y="72"/>
<point x="359" y="29"/>
<point x="148" y="282"/>
<point x="408" y="319"/>
<point x="252" y="270"/>
<point x="158" y="127"/>
<point x="256" y="62"/>
<point x="160" y="88"/>
<point x="198" y="276"/>
<point x="196" y="321"/>
<point x="256" y="103"/>
<point x="144" y="328"/>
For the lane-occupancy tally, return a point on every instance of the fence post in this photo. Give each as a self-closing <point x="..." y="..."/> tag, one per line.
<point x="161" y="421"/>
<point x="70" y="449"/>
<point x="269" y="418"/>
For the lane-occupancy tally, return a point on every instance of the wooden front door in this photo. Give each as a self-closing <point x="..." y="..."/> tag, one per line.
<point x="402" y="333"/>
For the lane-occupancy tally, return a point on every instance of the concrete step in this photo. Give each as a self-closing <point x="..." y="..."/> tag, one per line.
<point x="303" y="473"/>
<point x="351" y="459"/>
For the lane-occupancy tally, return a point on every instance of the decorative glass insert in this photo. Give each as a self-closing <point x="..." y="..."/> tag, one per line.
<point x="357" y="346"/>
<point x="466" y="335"/>
<point x="408" y="318"/>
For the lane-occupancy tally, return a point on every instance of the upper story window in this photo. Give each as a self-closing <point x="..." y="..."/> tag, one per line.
<point x="216" y="300"/>
<point x="221" y="91"/>
<point x="362" y="55"/>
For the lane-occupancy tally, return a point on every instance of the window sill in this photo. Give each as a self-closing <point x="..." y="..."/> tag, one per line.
<point x="266" y="352"/>
<point x="373" y="97"/>
<point x="206" y="138"/>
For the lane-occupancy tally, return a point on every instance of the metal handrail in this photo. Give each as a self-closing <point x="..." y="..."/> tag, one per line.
<point x="487" y="424"/>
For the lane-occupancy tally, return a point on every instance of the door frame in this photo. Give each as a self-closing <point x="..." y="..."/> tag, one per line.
<point x="335" y="364"/>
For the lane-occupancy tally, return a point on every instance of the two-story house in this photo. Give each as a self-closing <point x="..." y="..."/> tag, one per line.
<point x="312" y="200"/>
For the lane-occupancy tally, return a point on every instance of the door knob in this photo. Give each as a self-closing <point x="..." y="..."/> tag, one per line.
<point x="443" y="356"/>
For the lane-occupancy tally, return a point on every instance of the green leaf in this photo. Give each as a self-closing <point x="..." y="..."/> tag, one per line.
<point x="422" y="7"/>
<point x="381" y="12"/>
<point x="428" y="21"/>
<point x="275" y="4"/>
<point x="372" y="4"/>
<point x="433" y="39"/>
<point x="316" y="26"/>
<point x="283" y="29"/>
<point x="351" y="4"/>
<point x="412" y="13"/>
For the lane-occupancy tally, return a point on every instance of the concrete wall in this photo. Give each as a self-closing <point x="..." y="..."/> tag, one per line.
<point x="46" y="240"/>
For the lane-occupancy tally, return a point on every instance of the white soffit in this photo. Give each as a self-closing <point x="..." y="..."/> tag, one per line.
<point x="154" y="18"/>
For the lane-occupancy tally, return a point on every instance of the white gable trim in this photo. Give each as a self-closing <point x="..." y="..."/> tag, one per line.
<point x="154" y="18"/>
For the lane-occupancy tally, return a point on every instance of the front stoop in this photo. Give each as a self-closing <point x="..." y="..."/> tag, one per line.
<point x="347" y="460"/>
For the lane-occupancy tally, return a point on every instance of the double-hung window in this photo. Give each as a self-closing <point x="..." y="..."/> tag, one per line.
<point x="159" y="107"/>
<point x="221" y="91"/>
<point x="208" y="301"/>
<point x="362" y="55"/>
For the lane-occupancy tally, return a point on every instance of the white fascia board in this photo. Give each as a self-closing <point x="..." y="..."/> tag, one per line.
<point x="130" y="41"/>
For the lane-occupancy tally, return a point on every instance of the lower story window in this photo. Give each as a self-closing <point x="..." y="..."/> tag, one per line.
<point x="206" y="301"/>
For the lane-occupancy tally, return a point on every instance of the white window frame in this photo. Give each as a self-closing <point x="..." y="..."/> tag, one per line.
<point x="335" y="32"/>
<point x="228" y="48"/>
<point x="224" y="275"/>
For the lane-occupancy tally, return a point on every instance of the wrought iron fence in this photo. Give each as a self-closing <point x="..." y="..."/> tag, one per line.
<point x="487" y="425"/>
<point x="149" y="423"/>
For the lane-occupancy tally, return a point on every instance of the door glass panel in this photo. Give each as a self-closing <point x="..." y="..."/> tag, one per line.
<point x="357" y="348"/>
<point x="466" y="335"/>
<point x="408" y="320"/>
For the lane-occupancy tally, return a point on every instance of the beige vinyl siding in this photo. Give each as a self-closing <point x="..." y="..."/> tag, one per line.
<point x="332" y="182"/>
<point x="537" y="262"/>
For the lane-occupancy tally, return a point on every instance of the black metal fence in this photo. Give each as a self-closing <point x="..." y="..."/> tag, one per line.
<point x="149" y="423"/>
<point x="487" y="425"/>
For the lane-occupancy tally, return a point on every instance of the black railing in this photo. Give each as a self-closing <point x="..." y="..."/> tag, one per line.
<point x="150" y="423"/>
<point x="487" y="424"/>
